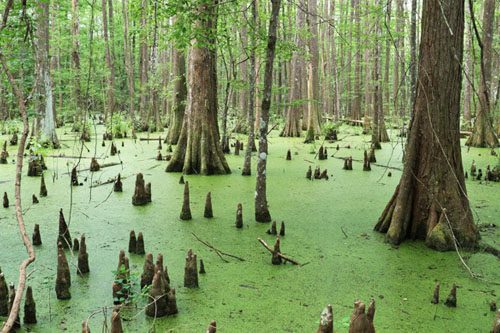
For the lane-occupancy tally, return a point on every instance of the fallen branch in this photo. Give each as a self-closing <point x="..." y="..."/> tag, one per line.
<point x="219" y="252"/>
<point x="281" y="255"/>
<point x="105" y="165"/>
<point x="19" y="213"/>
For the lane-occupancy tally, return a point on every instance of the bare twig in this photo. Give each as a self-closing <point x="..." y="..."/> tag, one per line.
<point x="219" y="252"/>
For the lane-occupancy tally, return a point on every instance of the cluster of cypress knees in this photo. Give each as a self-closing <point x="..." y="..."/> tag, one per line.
<point x="492" y="175"/>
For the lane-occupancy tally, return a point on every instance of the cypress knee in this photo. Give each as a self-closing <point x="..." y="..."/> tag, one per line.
<point x="451" y="300"/>
<point x="132" y="242"/>
<point x="191" y="270"/>
<point x="34" y="199"/>
<point x="288" y="155"/>
<point x="326" y="320"/>
<point x="212" y="327"/>
<point x="142" y="193"/>
<point x="4" y="296"/>
<point x="85" y="327"/>
<point x="74" y="177"/>
<point x="282" y="229"/>
<point x="117" y="186"/>
<point x="83" y="257"/>
<point x="63" y="279"/>
<point x="139" y="249"/>
<point x="435" y="297"/>
<point x="186" y="210"/>
<point x="148" y="271"/>
<point x="276" y="259"/>
<point x="43" y="188"/>
<point x="5" y="200"/>
<point x="12" y="296"/>
<point x="36" y="238"/>
<point x="116" y="321"/>
<point x="94" y="166"/>
<point x="208" y="206"/>
<point x="239" y="216"/>
<point x="202" y="267"/>
<point x="157" y="301"/>
<point x="29" y="307"/>
<point x="64" y="235"/>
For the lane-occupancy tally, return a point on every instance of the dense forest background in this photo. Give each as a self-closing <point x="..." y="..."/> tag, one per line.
<point x="334" y="59"/>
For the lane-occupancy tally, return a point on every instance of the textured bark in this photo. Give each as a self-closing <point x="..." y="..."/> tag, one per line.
<point x="128" y="55"/>
<point x="180" y="94"/>
<point x="292" y="121"/>
<point x="430" y="202"/>
<point x="109" y="63"/>
<point x="356" y="101"/>
<point x="45" y="103"/>
<point x="483" y="133"/>
<point x="247" y="164"/>
<point x="75" y="56"/>
<point x="198" y="150"/>
<point x="261" y="209"/>
<point x="313" y="112"/>
<point x="143" y="66"/>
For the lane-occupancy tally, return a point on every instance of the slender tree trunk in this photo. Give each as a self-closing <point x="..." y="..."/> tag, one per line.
<point x="153" y="68"/>
<point x="241" y="122"/>
<point x="483" y="133"/>
<point x="469" y="78"/>
<point x="396" y="85"/>
<point x="261" y="208"/>
<point x="198" y="150"/>
<point x="430" y="202"/>
<point x="386" y="105"/>
<point x="314" y="114"/>
<point x="128" y="55"/>
<point x="46" y="106"/>
<point x="413" y="56"/>
<point x="247" y="165"/>
<point x="109" y="63"/>
<point x="143" y="67"/>
<point x="356" y="102"/>
<point x="75" y="56"/>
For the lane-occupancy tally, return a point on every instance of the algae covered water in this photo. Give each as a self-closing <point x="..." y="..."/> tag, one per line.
<point x="329" y="230"/>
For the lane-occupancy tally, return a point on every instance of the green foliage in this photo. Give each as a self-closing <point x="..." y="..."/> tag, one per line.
<point x="328" y="128"/>
<point x="118" y="124"/>
<point x="11" y="126"/>
<point x="129" y="283"/>
<point x="38" y="147"/>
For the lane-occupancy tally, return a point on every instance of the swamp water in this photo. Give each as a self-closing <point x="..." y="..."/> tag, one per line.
<point x="329" y="228"/>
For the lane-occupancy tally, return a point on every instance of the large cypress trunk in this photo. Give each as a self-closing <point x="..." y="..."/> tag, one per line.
<point x="198" y="150"/>
<point x="430" y="202"/>
<point x="180" y="92"/>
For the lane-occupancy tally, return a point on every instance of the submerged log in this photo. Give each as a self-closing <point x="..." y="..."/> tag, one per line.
<point x="208" y="206"/>
<point x="63" y="279"/>
<point x="29" y="307"/>
<point x="326" y="320"/>
<point x="83" y="257"/>
<point x="239" y="216"/>
<point x="186" y="210"/>
<point x="191" y="270"/>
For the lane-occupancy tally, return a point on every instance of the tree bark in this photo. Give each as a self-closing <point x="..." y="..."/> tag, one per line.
<point x="180" y="94"/>
<point x="128" y="55"/>
<point x="75" y="57"/>
<point x="313" y="112"/>
<point x="46" y="118"/>
<point x="109" y="63"/>
<point x="198" y="150"/>
<point x="261" y="209"/>
<point x="143" y="67"/>
<point x="483" y="133"/>
<point x="247" y="164"/>
<point x="430" y="202"/>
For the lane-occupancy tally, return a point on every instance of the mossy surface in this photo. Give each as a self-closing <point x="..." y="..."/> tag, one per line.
<point x="329" y="227"/>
